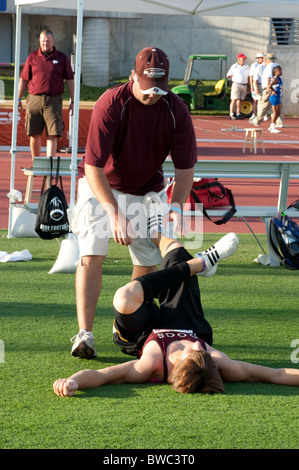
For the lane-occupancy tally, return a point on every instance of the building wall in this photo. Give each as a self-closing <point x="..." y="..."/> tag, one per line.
<point x="95" y="52"/>
<point x="288" y="59"/>
<point x="184" y="35"/>
<point x="181" y="36"/>
<point x="7" y="38"/>
<point x="63" y="28"/>
<point x="111" y="42"/>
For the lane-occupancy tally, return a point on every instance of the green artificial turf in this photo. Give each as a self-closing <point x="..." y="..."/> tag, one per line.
<point x="254" y="313"/>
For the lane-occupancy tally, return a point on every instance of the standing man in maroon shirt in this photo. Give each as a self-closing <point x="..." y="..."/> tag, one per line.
<point x="44" y="73"/>
<point x="133" y="128"/>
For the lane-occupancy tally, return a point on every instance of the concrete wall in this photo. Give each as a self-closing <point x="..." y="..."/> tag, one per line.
<point x="63" y="28"/>
<point x="288" y="59"/>
<point x="7" y="38"/>
<point x="181" y="36"/>
<point x="95" y="52"/>
<point x="111" y="42"/>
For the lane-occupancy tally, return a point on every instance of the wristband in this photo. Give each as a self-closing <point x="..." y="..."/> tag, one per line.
<point x="19" y="99"/>
<point x="71" y="102"/>
<point x="177" y="209"/>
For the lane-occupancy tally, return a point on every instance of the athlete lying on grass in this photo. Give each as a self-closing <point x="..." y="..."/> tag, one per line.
<point x="172" y="341"/>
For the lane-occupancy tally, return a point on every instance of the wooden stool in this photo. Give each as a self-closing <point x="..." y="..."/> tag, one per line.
<point x="29" y="186"/>
<point x="251" y="136"/>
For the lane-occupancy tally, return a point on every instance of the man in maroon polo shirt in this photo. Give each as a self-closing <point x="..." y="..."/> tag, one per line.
<point x="44" y="73"/>
<point x="133" y="128"/>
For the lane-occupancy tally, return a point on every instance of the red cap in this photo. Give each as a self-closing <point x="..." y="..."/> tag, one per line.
<point x="241" y="56"/>
<point x="152" y="70"/>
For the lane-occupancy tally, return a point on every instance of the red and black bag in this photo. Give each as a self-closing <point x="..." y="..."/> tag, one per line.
<point x="211" y="194"/>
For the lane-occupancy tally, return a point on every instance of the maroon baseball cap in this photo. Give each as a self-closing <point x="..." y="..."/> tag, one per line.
<point x="152" y="70"/>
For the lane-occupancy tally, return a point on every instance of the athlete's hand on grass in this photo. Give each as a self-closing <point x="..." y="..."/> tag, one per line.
<point x="65" y="387"/>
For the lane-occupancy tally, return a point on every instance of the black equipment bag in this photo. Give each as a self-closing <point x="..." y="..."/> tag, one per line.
<point x="52" y="219"/>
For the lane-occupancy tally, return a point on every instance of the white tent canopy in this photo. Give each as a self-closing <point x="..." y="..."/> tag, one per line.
<point x="266" y="8"/>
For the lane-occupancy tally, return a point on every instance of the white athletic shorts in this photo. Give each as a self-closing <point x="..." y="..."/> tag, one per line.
<point x="91" y="224"/>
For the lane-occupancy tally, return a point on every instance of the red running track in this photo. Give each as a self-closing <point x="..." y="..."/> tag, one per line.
<point x="217" y="138"/>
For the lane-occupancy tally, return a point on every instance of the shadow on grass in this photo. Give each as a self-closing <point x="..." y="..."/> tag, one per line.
<point x="38" y="309"/>
<point x="261" y="389"/>
<point x="115" y="391"/>
<point x="231" y="389"/>
<point x="254" y="269"/>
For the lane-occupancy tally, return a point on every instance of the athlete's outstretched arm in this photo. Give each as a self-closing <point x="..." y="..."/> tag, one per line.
<point x="238" y="371"/>
<point x="135" y="371"/>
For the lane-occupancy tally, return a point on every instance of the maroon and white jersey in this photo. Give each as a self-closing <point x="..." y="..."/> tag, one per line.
<point x="131" y="140"/>
<point x="164" y="337"/>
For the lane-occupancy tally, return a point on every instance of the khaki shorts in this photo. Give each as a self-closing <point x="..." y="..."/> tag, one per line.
<point x="44" y="112"/>
<point x="91" y="223"/>
<point x="238" y="92"/>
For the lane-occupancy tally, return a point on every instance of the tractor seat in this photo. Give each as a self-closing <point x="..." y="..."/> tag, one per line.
<point x="218" y="88"/>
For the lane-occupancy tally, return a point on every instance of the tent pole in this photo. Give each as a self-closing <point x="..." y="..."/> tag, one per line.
<point x="75" y="129"/>
<point x="13" y="150"/>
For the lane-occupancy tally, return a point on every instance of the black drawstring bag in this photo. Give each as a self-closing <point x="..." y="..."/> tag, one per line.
<point x="52" y="219"/>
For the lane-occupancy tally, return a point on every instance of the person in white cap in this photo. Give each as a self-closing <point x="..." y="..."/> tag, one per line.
<point x="134" y="127"/>
<point x="238" y="73"/>
<point x="254" y="87"/>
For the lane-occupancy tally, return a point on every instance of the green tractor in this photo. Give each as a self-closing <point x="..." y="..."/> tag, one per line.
<point x="219" y="98"/>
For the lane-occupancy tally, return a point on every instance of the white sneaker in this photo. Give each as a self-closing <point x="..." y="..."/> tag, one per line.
<point x="155" y="211"/>
<point x="266" y="118"/>
<point x="223" y="248"/>
<point x="84" y="345"/>
<point x="273" y="130"/>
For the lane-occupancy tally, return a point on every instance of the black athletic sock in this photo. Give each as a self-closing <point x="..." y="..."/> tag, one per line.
<point x="154" y="284"/>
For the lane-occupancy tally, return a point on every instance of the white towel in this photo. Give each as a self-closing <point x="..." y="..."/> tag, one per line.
<point x="24" y="255"/>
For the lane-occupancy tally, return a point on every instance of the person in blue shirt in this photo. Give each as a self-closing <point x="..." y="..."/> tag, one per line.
<point x="275" y="88"/>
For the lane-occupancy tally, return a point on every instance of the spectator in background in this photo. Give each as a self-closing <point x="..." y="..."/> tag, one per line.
<point x="275" y="88"/>
<point x="256" y="84"/>
<point x="44" y="73"/>
<point x="258" y="88"/>
<point x="238" y="73"/>
<point x="270" y="63"/>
